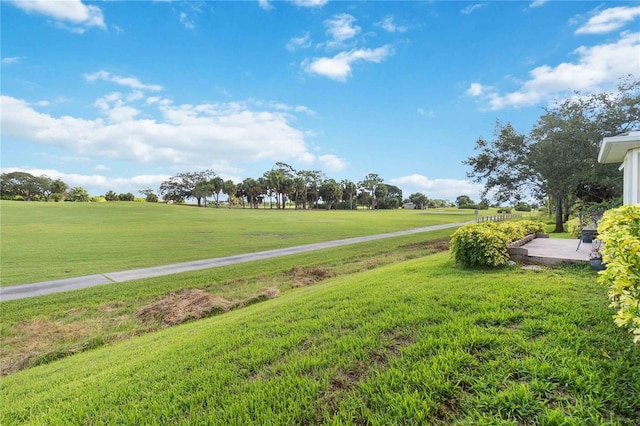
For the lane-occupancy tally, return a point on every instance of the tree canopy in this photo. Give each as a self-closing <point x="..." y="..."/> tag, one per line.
<point x="558" y="158"/>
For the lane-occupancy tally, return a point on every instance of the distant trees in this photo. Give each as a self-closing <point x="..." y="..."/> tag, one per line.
<point x="419" y="200"/>
<point x="150" y="196"/>
<point x="370" y="183"/>
<point x="229" y="188"/>
<point x="24" y="185"/>
<point x="183" y="185"/>
<point x="331" y="192"/>
<point x="349" y="191"/>
<point x="304" y="189"/>
<point x="463" y="201"/>
<point x="217" y="183"/>
<point x="78" y="194"/>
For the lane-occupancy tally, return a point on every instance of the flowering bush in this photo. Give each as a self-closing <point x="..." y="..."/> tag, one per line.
<point x="485" y="244"/>
<point x="619" y="230"/>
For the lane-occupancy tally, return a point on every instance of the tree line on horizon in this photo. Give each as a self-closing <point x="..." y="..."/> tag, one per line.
<point x="283" y="185"/>
<point x="276" y="188"/>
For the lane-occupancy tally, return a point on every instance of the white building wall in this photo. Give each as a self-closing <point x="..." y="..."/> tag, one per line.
<point x="631" y="170"/>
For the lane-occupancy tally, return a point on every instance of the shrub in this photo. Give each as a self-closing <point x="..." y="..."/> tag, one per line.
<point x="346" y="205"/>
<point x="57" y="197"/>
<point x="522" y="207"/>
<point x="98" y="200"/>
<point x="532" y="227"/>
<point x="485" y="244"/>
<point x="480" y="244"/>
<point x="575" y="227"/>
<point x="619" y="230"/>
<point x="504" y="210"/>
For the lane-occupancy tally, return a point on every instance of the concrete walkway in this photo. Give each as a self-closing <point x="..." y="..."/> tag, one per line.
<point x="55" y="286"/>
<point x="553" y="251"/>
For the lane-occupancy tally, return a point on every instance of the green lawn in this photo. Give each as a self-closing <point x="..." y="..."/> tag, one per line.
<point x="38" y="330"/>
<point x="43" y="241"/>
<point x="416" y="342"/>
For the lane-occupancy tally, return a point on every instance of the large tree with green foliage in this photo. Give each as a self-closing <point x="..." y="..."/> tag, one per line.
<point x="419" y="200"/>
<point x="229" y="189"/>
<point x="370" y="184"/>
<point x="24" y="185"/>
<point x="331" y="192"/>
<point x="182" y="186"/>
<point x="78" y="194"/>
<point x="349" y="191"/>
<point x="217" y="183"/>
<point x="559" y="156"/>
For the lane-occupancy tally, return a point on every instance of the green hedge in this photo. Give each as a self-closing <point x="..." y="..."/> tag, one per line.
<point x="485" y="244"/>
<point x="619" y="230"/>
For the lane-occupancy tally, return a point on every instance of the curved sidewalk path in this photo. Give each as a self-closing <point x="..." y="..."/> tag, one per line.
<point x="55" y="286"/>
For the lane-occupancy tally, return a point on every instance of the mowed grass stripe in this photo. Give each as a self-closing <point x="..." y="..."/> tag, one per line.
<point x="46" y="241"/>
<point x="419" y="342"/>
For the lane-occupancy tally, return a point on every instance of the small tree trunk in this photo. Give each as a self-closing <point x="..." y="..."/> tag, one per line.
<point x="559" y="227"/>
<point x="567" y="210"/>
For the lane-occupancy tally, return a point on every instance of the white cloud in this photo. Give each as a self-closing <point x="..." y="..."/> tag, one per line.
<point x="301" y="42"/>
<point x="131" y="82"/>
<point x="184" y="20"/>
<point x="426" y="112"/>
<point x="597" y="68"/>
<point x="101" y="167"/>
<point x="388" y="25"/>
<point x="472" y="8"/>
<point x="185" y="135"/>
<point x="340" y="28"/>
<point x="609" y="20"/>
<point x="306" y="158"/>
<point x="339" y="67"/>
<point x="309" y="3"/>
<point x="332" y="163"/>
<point x="475" y="89"/>
<point x="72" y="11"/>
<point x="11" y="60"/>
<point x="537" y="3"/>
<point x="265" y="4"/>
<point x="447" y="189"/>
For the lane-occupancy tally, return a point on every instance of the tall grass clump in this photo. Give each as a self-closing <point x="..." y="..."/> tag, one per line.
<point x="485" y="244"/>
<point x="620" y="232"/>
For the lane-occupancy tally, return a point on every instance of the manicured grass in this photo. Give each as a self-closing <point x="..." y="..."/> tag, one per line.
<point x="43" y="241"/>
<point x="417" y="342"/>
<point x="41" y="329"/>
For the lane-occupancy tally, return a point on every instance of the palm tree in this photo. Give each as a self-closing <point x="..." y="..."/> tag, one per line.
<point x="349" y="190"/>
<point x="217" y="184"/>
<point x="229" y="188"/>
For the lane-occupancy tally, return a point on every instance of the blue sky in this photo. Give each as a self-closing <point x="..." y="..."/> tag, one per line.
<point x="120" y="95"/>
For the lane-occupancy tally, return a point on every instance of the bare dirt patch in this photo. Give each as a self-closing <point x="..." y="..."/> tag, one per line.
<point x="34" y="339"/>
<point x="190" y="304"/>
<point x="301" y="277"/>
<point x="182" y="306"/>
<point x="264" y="294"/>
